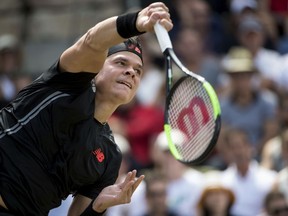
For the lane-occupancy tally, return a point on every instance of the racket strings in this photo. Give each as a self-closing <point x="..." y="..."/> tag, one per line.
<point x="191" y="113"/>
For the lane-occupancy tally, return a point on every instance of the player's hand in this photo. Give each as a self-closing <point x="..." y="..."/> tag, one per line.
<point x="118" y="193"/>
<point x="151" y="14"/>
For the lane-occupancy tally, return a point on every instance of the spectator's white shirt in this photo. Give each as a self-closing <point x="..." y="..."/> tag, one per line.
<point x="184" y="193"/>
<point x="283" y="181"/>
<point x="7" y="87"/>
<point x="269" y="64"/>
<point x="182" y="197"/>
<point x="283" y="83"/>
<point x="150" y="87"/>
<point x="249" y="190"/>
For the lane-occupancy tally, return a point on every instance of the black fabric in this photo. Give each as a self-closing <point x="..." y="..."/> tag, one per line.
<point x="4" y="212"/>
<point x="90" y="212"/>
<point x="126" y="25"/>
<point x="51" y="145"/>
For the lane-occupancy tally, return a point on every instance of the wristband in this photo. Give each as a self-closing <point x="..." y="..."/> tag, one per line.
<point x="126" y="25"/>
<point x="89" y="211"/>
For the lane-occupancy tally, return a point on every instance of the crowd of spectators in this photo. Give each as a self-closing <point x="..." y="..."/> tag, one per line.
<point x="239" y="46"/>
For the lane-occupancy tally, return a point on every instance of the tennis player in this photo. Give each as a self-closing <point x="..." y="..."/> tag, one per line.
<point x="54" y="137"/>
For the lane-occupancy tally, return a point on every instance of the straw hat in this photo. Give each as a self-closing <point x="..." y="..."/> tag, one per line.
<point x="238" y="60"/>
<point x="213" y="184"/>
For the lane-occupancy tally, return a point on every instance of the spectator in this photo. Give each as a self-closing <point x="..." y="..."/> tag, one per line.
<point x="249" y="182"/>
<point x="184" y="183"/>
<point x="140" y="124"/>
<point x="275" y="152"/>
<point x="240" y="9"/>
<point x="281" y="182"/>
<point x="275" y="204"/>
<point x="282" y="178"/>
<point x="252" y="36"/>
<point x="215" y="200"/>
<point x="245" y="105"/>
<point x="131" y="209"/>
<point x="283" y="109"/>
<point x="189" y="46"/>
<point x="21" y="80"/>
<point x="237" y="6"/>
<point x="183" y="187"/>
<point x="197" y="14"/>
<point x="10" y="62"/>
<point x="150" y="89"/>
<point x="278" y="12"/>
<point x="282" y="44"/>
<point x="156" y="194"/>
<point x="282" y="85"/>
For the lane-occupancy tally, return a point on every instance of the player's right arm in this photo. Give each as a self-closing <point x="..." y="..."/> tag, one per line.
<point x="90" y="51"/>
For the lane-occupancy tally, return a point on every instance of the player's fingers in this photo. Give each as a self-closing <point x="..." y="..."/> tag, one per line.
<point x="167" y="24"/>
<point x="133" y="176"/>
<point x="158" y="15"/>
<point x="129" y="177"/>
<point x="158" y="5"/>
<point x="137" y="183"/>
<point x="164" y="20"/>
<point x="127" y="192"/>
<point x="126" y="180"/>
<point x="158" y="10"/>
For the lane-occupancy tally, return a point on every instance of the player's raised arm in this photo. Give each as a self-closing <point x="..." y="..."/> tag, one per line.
<point x="90" y="51"/>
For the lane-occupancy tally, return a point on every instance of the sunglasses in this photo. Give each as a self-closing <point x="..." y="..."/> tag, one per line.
<point x="277" y="211"/>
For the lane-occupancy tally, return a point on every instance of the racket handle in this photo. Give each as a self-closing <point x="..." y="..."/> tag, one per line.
<point x="162" y="37"/>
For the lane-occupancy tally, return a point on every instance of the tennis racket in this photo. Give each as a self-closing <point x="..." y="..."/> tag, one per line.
<point x="192" y="110"/>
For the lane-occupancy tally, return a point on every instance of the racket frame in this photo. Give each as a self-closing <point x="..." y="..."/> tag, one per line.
<point x="170" y="56"/>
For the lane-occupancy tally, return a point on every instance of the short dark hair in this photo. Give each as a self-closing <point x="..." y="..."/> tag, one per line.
<point x="271" y="196"/>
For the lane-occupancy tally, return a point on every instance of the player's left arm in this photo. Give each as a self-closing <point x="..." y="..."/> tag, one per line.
<point x="116" y="194"/>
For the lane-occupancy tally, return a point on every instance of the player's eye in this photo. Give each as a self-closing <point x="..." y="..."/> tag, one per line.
<point x="122" y="63"/>
<point x="138" y="71"/>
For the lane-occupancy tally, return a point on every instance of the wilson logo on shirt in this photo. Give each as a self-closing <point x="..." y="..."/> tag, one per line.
<point x="99" y="154"/>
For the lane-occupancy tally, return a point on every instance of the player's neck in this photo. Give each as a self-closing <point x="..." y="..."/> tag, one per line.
<point x="103" y="111"/>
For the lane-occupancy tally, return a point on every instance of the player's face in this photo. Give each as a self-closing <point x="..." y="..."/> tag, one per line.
<point x="120" y="77"/>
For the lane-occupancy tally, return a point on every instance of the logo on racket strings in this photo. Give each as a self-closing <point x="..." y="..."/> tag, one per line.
<point x="188" y="115"/>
